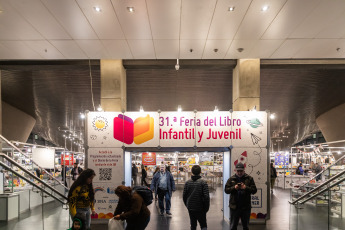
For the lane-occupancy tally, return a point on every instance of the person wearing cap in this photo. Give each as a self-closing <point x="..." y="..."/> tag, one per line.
<point x="240" y="187"/>
<point x="76" y="171"/>
<point x="163" y="183"/>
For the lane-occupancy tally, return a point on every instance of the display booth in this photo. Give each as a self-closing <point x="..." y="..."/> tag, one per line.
<point x="215" y="140"/>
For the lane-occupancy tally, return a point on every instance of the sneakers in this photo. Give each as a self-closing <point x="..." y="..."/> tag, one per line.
<point x="161" y="213"/>
<point x="168" y="213"/>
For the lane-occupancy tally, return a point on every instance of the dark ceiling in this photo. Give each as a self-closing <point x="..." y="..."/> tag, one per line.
<point x="55" y="92"/>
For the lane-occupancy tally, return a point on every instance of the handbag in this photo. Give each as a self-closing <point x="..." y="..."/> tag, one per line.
<point x="115" y="224"/>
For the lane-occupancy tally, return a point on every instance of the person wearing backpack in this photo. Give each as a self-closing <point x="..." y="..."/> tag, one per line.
<point x="196" y="198"/>
<point x="132" y="208"/>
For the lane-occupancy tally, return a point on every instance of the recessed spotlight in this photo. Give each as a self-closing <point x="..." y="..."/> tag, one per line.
<point x="264" y="8"/>
<point x="231" y="8"/>
<point x="130" y="9"/>
<point x="96" y="8"/>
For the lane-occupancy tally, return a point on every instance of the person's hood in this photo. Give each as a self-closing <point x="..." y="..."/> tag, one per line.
<point x="194" y="178"/>
<point x="80" y="222"/>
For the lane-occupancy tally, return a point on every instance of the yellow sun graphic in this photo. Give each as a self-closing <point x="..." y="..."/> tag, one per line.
<point x="100" y="123"/>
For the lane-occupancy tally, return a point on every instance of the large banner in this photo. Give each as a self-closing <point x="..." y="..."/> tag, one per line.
<point x="108" y="166"/>
<point x="243" y="132"/>
<point x="176" y="129"/>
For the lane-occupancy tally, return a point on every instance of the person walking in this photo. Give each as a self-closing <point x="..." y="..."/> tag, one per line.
<point x="156" y="170"/>
<point x="81" y="196"/>
<point x="134" y="174"/>
<point x="318" y="169"/>
<point x="63" y="175"/>
<point x="273" y="176"/>
<point x="240" y="186"/>
<point x="196" y="198"/>
<point x="163" y="183"/>
<point x="144" y="175"/>
<point x="132" y="208"/>
<point x="76" y="171"/>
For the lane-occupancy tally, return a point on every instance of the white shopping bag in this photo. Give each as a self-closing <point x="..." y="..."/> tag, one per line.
<point x="115" y="224"/>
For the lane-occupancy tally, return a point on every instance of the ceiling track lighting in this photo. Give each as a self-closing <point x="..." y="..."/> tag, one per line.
<point x="130" y="9"/>
<point x="177" y="66"/>
<point x="231" y="8"/>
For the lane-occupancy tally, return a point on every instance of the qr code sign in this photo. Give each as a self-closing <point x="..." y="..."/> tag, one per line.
<point x="105" y="174"/>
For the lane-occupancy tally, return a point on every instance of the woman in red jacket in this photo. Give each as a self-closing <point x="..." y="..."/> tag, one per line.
<point x="131" y="207"/>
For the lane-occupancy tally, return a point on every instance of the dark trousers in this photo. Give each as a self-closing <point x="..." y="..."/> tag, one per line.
<point x="143" y="181"/>
<point x="161" y="195"/>
<point x="138" y="225"/>
<point x="236" y="214"/>
<point x="197" y="216"/>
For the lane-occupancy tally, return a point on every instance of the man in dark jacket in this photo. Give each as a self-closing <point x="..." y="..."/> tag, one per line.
<point x="163" y="184"/>
<point x="76" y="171"/>
<point x="134" y="174"/>
<point x="144" y="175"/>
<point x="197" y="199"/>
<point x="240" y="187"/>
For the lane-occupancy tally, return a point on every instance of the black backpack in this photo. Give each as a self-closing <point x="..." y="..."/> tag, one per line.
<point x="145" y="193"/>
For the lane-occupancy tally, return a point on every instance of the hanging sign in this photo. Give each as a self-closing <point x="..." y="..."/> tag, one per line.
<point x="149" y="158"/>
<point x="68" y="161"/>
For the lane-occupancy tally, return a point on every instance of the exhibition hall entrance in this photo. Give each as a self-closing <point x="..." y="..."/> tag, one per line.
<point x="215" y="169"/>
<point x="180" y="164"/>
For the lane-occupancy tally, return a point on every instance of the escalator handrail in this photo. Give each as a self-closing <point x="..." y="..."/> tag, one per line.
<point x="30" y="182"/>
<point x="42" y="169"/>
<point x="31" y="174"/>
<point x="322" y="191"/>
<point x="316" y="188"/>
<point x="322" y="172"/>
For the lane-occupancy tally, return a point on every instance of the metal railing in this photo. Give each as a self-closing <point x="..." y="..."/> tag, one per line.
<point x="53" y="190"/>
<point x="318" y="187"/>
<point x="42" y="169"/>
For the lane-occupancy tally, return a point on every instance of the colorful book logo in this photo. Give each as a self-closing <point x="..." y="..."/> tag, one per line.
<point x="139" y="131"/>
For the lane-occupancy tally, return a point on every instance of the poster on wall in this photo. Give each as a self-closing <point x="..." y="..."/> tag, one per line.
<point x="149" y="158"/>
<point x="281" y="160"/>
<point x="108" y="166"/>
<point x="255" y="162"/>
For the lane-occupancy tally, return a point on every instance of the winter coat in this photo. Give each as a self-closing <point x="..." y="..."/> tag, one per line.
<point x="74" y="173"/>
<point x="170" y="182"/>
<point x="273" y="172"/>
<point x="240" y="199"/>
<point x="134" y="170"/>
<point x="132" y="209"/>
<point x="196" y="196"/>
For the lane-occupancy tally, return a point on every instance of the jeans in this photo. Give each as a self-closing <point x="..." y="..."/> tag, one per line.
<point x="143" y="181"/>
<point x="138" y="225"/>
<point x="236" y="214"/>
<point x="197" y="216"/>
<point x="161" y="195"/>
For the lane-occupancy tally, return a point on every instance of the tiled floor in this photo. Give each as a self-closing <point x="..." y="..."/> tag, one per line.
<point x="283" y="216"/>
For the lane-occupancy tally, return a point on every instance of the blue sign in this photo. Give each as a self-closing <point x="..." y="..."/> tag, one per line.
<point x="281" y="160"/>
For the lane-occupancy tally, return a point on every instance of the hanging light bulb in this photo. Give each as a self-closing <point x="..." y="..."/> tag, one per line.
<point x="99" y="108"/>
<point x="177" y="66"/>
<point x="179" y="109"/>
<point x="215" y="109"/>
<point x="141" y="109"/>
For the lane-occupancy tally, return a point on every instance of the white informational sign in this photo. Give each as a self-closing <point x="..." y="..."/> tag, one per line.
<point x="44" y="157"/>
<point x="255" y="163"/>
<point x="177" y="129"/>
<point x="108" y="166"/>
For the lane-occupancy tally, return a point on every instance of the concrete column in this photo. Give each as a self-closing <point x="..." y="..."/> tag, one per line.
<point x="332" y="126"/>
<point x="246" y="85"/>
<point x="113" y="85"/>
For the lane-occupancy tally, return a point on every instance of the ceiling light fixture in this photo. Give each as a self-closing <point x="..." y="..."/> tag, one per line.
<point x="141" y="109"/>
<point x="179" y="109"/>
<point x="264" y="8"/>
<point x="216" y="109"/>
<point x="273" y="116"/>
<point x="130" y="9"/>
<point x="231" y="8"/>
<point x="99" y="108"/>
<point x="82" y="115"/>
<point x="177" y="66"/>
<point x="96" y="8"/>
